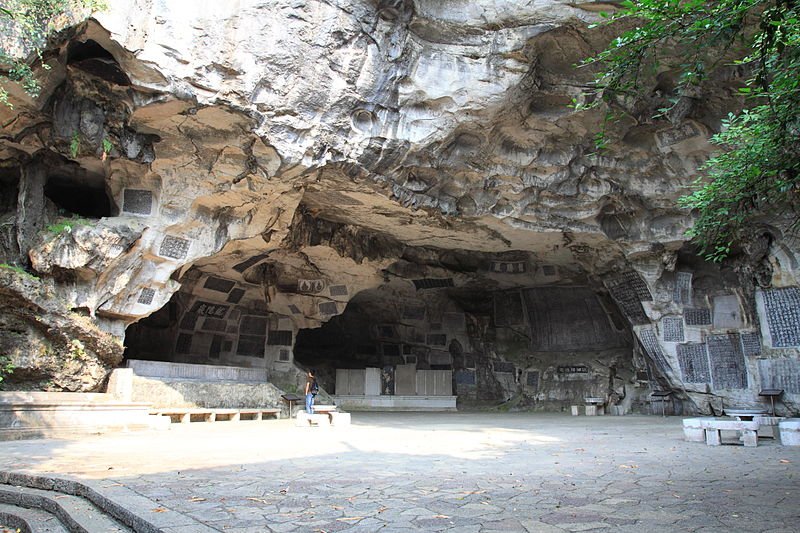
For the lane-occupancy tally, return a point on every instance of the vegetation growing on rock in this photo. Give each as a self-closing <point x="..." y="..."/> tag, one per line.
<point x="757" y="168"/>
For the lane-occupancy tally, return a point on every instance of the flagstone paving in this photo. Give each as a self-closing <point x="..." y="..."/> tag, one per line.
<point x="460" y="472"/>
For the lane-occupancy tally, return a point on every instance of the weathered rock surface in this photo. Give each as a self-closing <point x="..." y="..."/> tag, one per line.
<point x="50" y="346"/>
<point x="408" y="173"/>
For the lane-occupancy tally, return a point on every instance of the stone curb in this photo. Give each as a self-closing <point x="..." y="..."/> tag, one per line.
<point x="107" y="498"/>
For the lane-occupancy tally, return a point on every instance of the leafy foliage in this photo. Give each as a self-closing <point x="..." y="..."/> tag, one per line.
<point x="26" y="25"/>
<point x="66" y="225"/>
<point x="755" y="172"/>
<point x="19" y="270"/>
<point x="6" y="368"/>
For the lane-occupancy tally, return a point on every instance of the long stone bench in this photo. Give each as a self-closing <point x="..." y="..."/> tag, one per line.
<point x="713" y="427"/>
<point x="185" y="414"/>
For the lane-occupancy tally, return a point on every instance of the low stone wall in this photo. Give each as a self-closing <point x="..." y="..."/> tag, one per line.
<point x="395" y="403"/>
<point x="164" y="393"/>
<point x="25" y="415"/>
<point x="165" y="370"/>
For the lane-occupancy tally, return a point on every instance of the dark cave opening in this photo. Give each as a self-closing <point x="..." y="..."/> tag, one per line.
<point x="79" y="196"/>
<point x="92" y="58"/>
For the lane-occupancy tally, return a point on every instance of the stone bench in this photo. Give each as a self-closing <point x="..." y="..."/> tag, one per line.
<point x="768" y="423"/>
<point x="594" y="406"/>
<point x="713" y="427"/>
<point x="185" y="414"/>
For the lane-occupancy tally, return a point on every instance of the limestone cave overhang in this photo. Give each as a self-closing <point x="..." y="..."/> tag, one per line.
<point x="249" y="211"/>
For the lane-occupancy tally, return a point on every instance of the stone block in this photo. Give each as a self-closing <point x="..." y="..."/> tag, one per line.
<point x="790" y="431"/>
<point x="120" y="384"/>
<point x="693" y="430"/>
<point x="574" y="410"/>
<point x="591" y="410"/>
<point x="340" y="419"/>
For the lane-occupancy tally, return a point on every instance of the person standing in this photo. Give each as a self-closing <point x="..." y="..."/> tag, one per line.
<point x="311" y="390"/>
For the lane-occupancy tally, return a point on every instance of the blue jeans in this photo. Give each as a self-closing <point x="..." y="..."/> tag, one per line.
<point x="309" y="403"/>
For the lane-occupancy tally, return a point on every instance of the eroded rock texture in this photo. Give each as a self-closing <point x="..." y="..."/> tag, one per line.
<point x="356" y="183"/>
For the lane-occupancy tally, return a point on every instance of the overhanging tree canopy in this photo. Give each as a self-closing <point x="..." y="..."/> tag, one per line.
<point x="755" y="173"/>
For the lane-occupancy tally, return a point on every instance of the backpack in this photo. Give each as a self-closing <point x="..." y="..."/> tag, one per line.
<point x="314" y="388"/>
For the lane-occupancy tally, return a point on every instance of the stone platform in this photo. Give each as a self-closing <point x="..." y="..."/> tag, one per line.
<point x="25" y="415"/>
<point x="395" y="403"/>
<point x="406" y="472"/>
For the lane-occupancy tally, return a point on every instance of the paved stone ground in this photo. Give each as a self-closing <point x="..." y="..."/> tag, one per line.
<point x="464" y="472"/>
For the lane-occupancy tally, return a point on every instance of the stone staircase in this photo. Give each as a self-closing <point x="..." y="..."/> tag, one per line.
<point x="37" y="504"/>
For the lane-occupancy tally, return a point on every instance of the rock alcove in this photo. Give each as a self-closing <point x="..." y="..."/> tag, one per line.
<point x="390" y="184"/>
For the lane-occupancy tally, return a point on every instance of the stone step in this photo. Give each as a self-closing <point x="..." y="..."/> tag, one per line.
<point x="73" y="513"/>
<point x="33" y="520"/>
<point x="126" y="509"/>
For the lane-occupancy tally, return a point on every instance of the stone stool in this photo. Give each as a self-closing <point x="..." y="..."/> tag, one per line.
<point x="790" y="431"/>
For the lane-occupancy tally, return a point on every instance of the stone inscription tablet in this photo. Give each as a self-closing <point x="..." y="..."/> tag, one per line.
<point x="780" y="374"/>
<point x="137" y="201"/>
<point x="509" y="267"/>
<point x="508" y="309"/>
<point x="253" y="325"/>
<point x="310" y="285"/>
<point x="672" y="136"/>
<point x="414" y="312"/>
<point x="783" y="316"/>
<point x="454" y="321"/>
<point x="214" y="324"/>
<point x="279" y="337"/>
<point x="653" y="349"/>
<point x="244" y="265"/>
<point x="184" y="343"/>
<point x="174" y="247"/>
<point x="634" y="282"/>
<point x="727" y="362"/>
<point x="683" y="288"/>
<point x="673" y="329"/>
<point x="629" y="291"/>
<point x="146" y="296"/>
<point x="433" y="283"/>
<point x="572" y="369"/>
<point x="328" y="308"/>
<point x="532" y="379"/>
<point x="504" y="366"/>
<point x="693" y="360"/>
<point x="189" y="321"/>
<point x="465" y="377"/>
<point x="338" y="290"/>
<point x="437" y="339"/>
<point x="219" y="284"/>
<point x="251" y="346"/>
<point x="751" y="344"/>
<point x="697" y="317"/>
<point x="209" y="309"/>
<point x="235" y="296"/>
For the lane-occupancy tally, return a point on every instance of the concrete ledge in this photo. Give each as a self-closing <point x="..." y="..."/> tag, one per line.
<point x="395" y="403"/>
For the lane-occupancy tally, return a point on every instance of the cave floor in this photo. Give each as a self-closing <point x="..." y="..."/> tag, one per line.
<point x="464" y="472"/>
